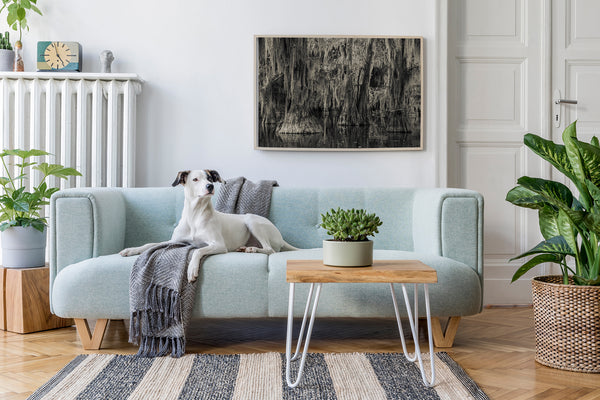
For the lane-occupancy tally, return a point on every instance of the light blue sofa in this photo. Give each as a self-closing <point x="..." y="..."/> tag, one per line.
<point x="89" y="280"/>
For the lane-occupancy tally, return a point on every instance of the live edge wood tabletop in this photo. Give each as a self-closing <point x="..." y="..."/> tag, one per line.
<point x="382" y="271"/>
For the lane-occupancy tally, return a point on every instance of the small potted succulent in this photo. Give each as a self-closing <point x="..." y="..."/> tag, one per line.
<point x="7" y="55"/>
<point x="23" y="228"/>
<point x="350" y="246"/>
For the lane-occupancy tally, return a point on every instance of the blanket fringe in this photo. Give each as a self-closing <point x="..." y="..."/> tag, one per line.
<point x="164" y="301"/>
<point x="163" y="310"/>
<point x="151" y="346"/>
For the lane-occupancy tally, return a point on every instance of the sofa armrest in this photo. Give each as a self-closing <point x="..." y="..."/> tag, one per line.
<point x="85" y="223"/>
<point x="449" y="223"/>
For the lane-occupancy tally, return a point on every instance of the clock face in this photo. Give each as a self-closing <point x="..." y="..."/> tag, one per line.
<point x="57" y="55"/>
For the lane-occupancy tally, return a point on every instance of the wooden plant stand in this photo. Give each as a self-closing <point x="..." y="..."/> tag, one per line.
<point x="24" y="302"/>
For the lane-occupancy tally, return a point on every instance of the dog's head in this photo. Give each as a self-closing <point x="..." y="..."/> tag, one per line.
<point x="198" y="183"/>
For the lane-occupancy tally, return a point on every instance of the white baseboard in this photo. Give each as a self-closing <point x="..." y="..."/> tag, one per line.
<point x="502" y="292"/>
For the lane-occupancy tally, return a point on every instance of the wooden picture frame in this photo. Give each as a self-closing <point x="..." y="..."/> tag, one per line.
<point x="338" y="93"/>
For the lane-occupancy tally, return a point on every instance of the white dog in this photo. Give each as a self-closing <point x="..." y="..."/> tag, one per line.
<point x="201" y="224"/>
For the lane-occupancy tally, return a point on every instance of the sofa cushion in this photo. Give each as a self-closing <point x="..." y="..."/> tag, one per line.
<point x="455" y="280"/>
<point x="297" y="213"/>
<point x="234" y="285"/>
<point x="230" y="285"/>
<point x="94" y="288"/>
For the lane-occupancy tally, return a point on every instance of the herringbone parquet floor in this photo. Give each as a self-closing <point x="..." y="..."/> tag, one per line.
<point x="495" y="347"/>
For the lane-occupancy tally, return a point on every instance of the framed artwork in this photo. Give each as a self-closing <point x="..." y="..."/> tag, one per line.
<point x="339" y="93"/>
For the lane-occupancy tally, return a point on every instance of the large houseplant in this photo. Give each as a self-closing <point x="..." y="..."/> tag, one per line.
<point x="566" y="307"/>
<point x="23" y="228"/>
<point x="350" y="229"/>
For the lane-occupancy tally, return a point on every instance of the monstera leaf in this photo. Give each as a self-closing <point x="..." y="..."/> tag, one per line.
<point x="548" y="221"/>
<point x="556" y="245"/>
<point x="553" y="193"/>
<point x="555" y="154"/>
<point x="534" y="262"/>
<point x="523" y="197"/>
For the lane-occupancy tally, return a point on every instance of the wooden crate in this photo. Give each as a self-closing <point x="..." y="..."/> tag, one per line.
<point x="24" y="302"/>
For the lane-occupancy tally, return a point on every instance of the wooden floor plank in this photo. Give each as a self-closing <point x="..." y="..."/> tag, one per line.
<point x="496" y="348"/>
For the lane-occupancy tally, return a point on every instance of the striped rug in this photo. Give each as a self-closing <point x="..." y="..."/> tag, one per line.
<point x="256" y="376"/>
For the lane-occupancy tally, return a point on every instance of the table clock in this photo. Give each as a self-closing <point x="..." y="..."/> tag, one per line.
<point x="59" y="56"/>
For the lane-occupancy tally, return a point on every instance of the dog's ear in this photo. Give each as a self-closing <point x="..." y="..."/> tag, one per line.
<point x="181" y="178"/>
<point x="213" y="175"/>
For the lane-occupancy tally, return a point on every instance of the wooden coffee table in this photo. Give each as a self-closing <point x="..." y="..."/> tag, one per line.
<point x="382" y="271"/>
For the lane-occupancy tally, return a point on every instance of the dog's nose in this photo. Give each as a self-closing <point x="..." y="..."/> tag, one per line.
<point x="210" y="187"/>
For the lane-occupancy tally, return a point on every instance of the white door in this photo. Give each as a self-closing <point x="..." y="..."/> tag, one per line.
<point x="576" y="67"/>
<point x="575" y="72"/>
<point x="495" y="82"/>
<point x="508" y="63"/>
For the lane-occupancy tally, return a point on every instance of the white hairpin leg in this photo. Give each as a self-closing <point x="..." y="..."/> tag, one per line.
<point x="288" y="342"/>
<point x="413" y="319"/>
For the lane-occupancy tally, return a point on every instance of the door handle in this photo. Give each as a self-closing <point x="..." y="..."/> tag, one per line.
<point x="557" y="102"/>
<point x="565" y="101"/>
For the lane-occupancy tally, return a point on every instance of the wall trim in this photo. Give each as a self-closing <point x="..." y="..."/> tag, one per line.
<point x="441" y="40"/>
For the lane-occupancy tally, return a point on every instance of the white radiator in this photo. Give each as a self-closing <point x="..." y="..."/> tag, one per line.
<point x="87" y="121"/>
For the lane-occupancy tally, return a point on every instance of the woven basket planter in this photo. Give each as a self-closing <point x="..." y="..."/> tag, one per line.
<point x="567" y="324"/>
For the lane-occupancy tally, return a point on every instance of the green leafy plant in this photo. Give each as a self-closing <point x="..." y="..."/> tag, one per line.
<point x="17" y="13"/>
<point x="5" y="41"/>
<point x="350" y="225"/>
<point x="18" y="207"/>
<point x="570" y="226"/>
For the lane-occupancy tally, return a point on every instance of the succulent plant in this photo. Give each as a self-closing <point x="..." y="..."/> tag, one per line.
<point x="5" y="41"/>
<point x="350" y="225"/>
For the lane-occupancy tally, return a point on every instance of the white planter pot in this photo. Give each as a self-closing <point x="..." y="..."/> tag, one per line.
<point x="23" y="247"/>
<point x="347" y="254"/>
<point x="7" y="60"/>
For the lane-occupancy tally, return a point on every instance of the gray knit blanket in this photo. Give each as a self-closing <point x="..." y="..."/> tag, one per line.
<point x="241" y="196"/>
<point x="161" y="299"/>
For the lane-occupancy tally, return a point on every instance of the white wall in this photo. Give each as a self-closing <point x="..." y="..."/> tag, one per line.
<point x="196" y="109"/>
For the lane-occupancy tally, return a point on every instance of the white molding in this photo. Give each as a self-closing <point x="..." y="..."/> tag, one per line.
<point x="441" y="39"/>
<point x="503" y="292"/>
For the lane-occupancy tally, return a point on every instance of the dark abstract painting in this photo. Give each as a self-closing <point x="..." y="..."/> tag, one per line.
<point x="339" y="93"/>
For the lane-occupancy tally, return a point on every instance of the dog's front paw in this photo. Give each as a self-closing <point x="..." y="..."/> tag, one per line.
<point x="127" y="252"/>
<point x="192" y="273"/>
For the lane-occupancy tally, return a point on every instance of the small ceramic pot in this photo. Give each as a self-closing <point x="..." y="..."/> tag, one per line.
<point x="7" y="59"/>
<point x="347" y="254"/>
<point x="23" y="247"/>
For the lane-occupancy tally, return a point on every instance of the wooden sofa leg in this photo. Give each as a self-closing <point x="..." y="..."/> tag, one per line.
<point x="444" y="338"/>
<point x="88" y="340"/>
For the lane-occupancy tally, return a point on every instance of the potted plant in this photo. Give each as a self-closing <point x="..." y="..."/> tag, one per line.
<point x="17" y="20"/>
<point x="566" y="307"/>
<point x="23" y="228"/>
<point x="7" y="55"/>
<point x="350" y="229"/>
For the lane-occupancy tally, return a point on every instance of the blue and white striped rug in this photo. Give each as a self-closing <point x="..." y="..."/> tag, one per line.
<point x="257" y="377"/>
